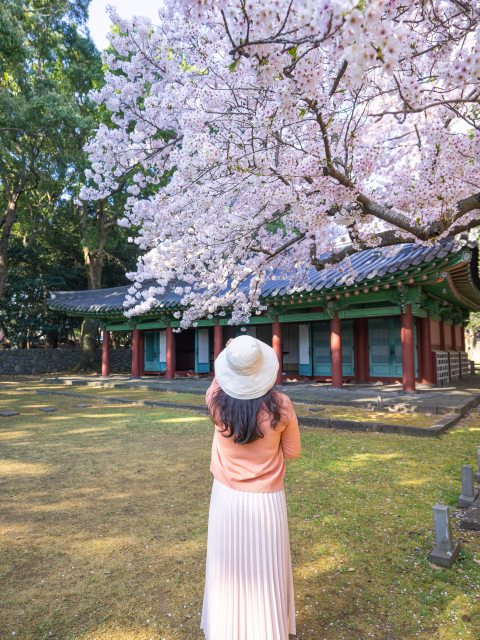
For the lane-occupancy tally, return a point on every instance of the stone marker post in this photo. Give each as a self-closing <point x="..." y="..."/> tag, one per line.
<point x="468" y="493"/>
<point x="446" y="550"/>
<point x="477" y="475"/>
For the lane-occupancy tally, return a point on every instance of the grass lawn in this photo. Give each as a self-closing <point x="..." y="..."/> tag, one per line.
<point x="130" y="394"/>
<point x="328" y="411"/>
<point x="104" y="524"/>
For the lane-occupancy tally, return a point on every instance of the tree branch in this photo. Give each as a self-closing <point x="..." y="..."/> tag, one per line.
<point x="387" y="239"/>
<point x="280" y="249"/>
<point x="377" y="210"/>
<point x="466" y="205"/>
<point x="342" y="70"/>
<point x="226" y="28"/>
<point x="323" y="127"/>
<point x="391" y="238"/>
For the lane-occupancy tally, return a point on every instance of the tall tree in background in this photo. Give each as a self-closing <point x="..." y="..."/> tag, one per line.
<point x="47" y="69"/>
<point x="43" y="118"/>
<point x="55" y="261"/>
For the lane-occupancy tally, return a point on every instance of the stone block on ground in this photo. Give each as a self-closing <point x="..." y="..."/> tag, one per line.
<point x="47" y="409"/>
<point x="81" y="406"/>
<point x="444" y="558"/>
<point x="448" y="421"/>
<point x="446" y="549"/>
<point x="9" y="414"/>
<point x="471" y="520"/>
<point x="468" y="492"/>
<point x="122" y="400"/>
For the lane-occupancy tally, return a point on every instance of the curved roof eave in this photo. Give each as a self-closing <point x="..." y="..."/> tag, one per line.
<point x="366" y="265"/>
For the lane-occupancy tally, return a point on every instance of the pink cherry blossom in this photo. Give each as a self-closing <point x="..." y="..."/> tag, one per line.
<point x="281" y="119"/>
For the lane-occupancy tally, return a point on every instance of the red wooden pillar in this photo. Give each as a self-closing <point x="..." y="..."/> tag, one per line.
<point x="277" y="346"/>
<point x="135" y="352"/>
<point x="106" y="353"/>
<point x="454" y="336"/>
<point x="462" y="336"/>
<point x="336" y="348"/>
<point x="170" y="372"/>
<point x="408" y="350"/>
<point x="361" y="351"/>
<point x="442" y="334"/>
<point x="217" y="339"/>
<point x="141" y="354"/>
<point x="426" y="350"/>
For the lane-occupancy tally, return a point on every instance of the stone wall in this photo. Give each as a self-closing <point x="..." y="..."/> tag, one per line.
<point x="120" y="359"/>
<point x="22" y="362"/>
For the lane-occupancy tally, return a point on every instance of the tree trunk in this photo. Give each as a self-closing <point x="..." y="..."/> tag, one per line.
<point x="94" y="263"/>
<point x="87" y="359"/>
<point x="51" y="340"/>
<point x="88" y="336"/>
<point x="87" y="354"/>
<point x="6" y="223"/>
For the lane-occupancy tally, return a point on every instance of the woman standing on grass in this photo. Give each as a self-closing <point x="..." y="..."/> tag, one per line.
<point x="249" y="583"/>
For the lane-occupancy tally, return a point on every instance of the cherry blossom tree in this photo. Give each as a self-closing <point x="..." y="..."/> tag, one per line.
<point x="280" y="119"/>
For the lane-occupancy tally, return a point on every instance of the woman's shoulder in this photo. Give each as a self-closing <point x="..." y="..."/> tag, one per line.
<point x="284" y="398"/>
<point x="287" y="408"/>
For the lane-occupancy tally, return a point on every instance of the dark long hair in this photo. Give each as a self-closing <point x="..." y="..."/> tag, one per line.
<point x="239" y="418"/>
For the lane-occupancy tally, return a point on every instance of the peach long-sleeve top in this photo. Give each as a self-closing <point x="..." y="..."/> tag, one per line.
<point x="258" y="466"/>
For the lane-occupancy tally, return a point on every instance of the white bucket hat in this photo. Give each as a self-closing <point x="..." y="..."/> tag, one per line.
<point x="247" y="368"/>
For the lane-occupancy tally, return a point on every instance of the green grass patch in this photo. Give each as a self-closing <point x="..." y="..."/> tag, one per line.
<point x="105" y="512"/>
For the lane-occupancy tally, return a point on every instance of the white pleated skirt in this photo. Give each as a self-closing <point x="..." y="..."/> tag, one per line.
<point x="249" y="582"/>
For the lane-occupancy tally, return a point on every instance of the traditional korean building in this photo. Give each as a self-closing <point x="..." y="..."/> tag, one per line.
<point x="401" y="320"/>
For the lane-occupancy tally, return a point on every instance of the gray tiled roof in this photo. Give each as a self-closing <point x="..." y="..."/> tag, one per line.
<point x="366" y="264"/>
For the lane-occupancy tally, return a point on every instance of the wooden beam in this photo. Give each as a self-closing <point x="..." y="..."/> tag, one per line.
<point x="369" y="313"/>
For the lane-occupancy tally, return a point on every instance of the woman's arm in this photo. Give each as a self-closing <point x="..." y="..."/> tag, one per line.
<point x="290" y="438"/>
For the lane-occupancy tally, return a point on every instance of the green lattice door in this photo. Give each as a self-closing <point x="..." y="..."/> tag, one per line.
<point x="305" y="349"/>
<point x="385" y="347"/>
<point x="155" y="351"/>
<point x="202" y="351"/>
<point x="348" y="362"/>
<point x="322" y="355"/>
